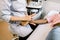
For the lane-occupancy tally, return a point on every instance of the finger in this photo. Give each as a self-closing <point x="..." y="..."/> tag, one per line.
<point x="32" y="15"/>
<point x="33" y="24"/>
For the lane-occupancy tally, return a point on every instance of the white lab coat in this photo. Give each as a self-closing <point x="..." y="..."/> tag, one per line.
<point x="15" y="8"/>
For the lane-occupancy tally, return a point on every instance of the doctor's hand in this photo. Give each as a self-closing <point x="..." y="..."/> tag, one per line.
<point x="29" y="17"/>
<point x="26" y="18"/>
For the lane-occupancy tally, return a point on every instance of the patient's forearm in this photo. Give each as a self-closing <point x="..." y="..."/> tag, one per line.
<point x="40" y="21"/>
<point x="34" y="21"/>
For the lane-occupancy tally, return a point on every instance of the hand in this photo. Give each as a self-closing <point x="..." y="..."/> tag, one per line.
<point x="32" y="22"/>
<point x="27" y="18"/>
<point x="32" y="15"/>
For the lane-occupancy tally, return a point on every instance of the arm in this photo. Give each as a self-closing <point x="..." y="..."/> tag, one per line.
<point x="6" y="13"/>
<point x="40" y="21"/>
<point x="26" y="18"/>
<point x="20" y="6"/>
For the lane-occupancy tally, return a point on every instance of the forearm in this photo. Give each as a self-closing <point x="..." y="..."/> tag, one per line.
<point x="40" y="21"/>
<point x="14" y="18"/>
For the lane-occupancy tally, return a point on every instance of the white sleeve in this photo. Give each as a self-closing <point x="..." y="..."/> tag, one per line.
<point x="20" y="5"/>
<point x="6" y="10"/>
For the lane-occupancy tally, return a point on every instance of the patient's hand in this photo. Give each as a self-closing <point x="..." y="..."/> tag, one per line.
<point x="32" y="22"/>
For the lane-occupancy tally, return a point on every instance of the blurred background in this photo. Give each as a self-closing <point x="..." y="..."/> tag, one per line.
<point x="48" y="5"/>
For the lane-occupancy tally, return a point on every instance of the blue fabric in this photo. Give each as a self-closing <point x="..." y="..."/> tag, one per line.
<point x="54" y="34"/>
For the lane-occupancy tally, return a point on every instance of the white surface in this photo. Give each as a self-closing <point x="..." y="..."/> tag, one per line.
<point x="34" y="5"/>
<point x="51" y="5"/>
<point x="57" y="1"/>
<point x="40" y="32"/>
